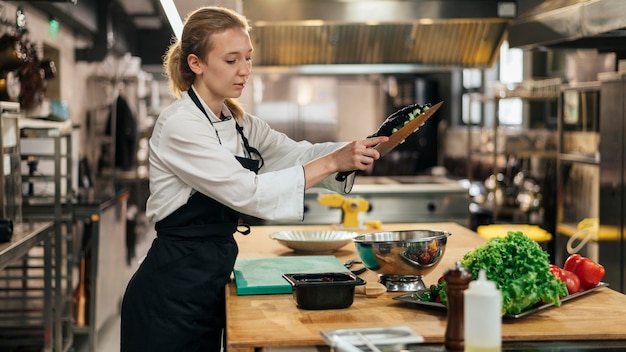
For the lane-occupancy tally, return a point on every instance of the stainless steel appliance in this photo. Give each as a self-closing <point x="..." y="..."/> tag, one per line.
<point x="402" y="199"/>
<point x="304" y="108"/>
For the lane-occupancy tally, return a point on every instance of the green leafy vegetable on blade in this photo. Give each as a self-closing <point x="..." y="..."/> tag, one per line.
<point x="398" y="119"/>
<point x="519" y="267"/>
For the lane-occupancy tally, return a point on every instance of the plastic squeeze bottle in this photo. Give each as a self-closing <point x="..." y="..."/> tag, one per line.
<point x="483" y="316"/>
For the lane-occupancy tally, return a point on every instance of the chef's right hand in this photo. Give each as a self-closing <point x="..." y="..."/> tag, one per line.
<point x="358" y="155"/>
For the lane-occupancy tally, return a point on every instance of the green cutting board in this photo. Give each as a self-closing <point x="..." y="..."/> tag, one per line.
<point x="258" y="276"/>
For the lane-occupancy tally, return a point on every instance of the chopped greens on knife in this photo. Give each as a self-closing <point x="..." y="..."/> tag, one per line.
<point x="519" y="267"/>
<point x="400" y="118"/>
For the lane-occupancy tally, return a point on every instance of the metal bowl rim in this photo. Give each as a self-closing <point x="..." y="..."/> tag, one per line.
<point x="441" y="233"/>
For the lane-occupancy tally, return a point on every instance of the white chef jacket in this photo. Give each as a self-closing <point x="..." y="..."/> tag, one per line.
<point x="186" y="156"/>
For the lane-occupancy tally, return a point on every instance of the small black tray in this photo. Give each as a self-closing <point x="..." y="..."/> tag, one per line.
<point x="333" y="290"/>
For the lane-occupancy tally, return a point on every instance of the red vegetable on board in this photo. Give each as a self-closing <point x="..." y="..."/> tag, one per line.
<point x="556" y="271"/>
<point x="589" y="272"/>
<point x="572" y="281"/>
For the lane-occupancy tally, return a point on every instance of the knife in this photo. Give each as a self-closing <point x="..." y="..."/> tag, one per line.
<point x="399" y="136"/>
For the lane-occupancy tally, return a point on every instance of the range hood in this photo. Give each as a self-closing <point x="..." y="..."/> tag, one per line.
<point x="456" y="33"/>
<point x="596" y="24"/>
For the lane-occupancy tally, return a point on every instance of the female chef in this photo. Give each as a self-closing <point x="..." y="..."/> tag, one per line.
<point x="210" y="162"/>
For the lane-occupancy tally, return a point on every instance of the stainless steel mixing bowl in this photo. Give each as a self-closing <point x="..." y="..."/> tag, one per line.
<point x="401" y="258"/>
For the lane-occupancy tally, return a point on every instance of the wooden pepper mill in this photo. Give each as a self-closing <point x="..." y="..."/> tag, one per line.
<point x="457" y="280"/>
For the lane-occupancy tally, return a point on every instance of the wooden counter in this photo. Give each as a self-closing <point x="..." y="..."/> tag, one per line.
<point x="275" y="321"/>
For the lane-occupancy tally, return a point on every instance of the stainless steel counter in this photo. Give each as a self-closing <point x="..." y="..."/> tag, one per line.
<point x="28" y="320"/>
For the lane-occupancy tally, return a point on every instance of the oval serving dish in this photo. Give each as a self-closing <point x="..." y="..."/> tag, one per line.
<point x="313" y="241"/>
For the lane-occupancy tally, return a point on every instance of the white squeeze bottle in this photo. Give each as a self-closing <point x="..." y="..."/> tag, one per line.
<point x="482" y="316"/>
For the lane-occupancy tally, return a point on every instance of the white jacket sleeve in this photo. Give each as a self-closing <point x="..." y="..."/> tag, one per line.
<point x="186" y="156"/>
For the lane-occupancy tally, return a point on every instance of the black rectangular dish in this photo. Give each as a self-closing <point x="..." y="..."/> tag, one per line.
<point x="332" y="290"/>
<point x="412" y="298"/>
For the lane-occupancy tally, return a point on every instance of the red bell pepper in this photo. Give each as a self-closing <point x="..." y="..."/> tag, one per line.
<point x="589" y="272"/>
<point x="571" y="261"/>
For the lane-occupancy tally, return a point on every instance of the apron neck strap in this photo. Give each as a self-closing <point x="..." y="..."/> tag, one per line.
<point x="251" y="150"/>
<point x="196" y="101"/>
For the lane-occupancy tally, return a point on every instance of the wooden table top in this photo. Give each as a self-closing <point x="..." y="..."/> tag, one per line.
<point x="275" y="321"/>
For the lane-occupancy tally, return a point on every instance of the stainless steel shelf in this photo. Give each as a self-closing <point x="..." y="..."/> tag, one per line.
<point x="58" y="202"/>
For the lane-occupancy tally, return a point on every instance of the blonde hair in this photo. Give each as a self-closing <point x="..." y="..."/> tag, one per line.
<point x="199" y="27"/>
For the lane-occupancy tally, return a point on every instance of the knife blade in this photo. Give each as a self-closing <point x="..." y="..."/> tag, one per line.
<point x="399" y="136"/>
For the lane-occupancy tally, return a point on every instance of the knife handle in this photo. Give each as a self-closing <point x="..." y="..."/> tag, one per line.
<point x="342" y="176"/>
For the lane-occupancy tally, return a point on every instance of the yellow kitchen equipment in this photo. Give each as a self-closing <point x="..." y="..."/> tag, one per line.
<point x="350" y="206"/>
<point x="534" y="232"/>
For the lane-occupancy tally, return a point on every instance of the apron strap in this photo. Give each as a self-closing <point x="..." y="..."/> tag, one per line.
<point x="251" y="150"/>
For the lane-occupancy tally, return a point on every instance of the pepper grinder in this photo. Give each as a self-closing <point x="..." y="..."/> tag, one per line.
<point x="457" y="280"/>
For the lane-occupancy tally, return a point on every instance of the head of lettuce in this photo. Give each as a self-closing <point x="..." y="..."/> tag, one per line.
<point x="520" y="269"/>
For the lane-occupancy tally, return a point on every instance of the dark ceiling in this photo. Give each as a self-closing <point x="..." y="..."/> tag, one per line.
<point x="138" y="27"/>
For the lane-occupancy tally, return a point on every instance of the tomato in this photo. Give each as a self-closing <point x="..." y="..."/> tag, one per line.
<point x="589" y="272"/>
<point x="424" y="258"/>
<point x="556" y="271"/>
<point x="571" y="281"/>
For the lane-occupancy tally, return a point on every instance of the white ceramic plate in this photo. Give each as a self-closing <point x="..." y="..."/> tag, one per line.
<point x="313" y="241"/>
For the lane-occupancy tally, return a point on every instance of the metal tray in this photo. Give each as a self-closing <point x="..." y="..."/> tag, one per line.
<point x="393" y="337"/>
<point x="410" y="298"/>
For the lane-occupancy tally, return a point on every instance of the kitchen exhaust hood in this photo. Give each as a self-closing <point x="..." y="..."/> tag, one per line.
<point x="599" y="24"/>
<point x="456" y="33"/>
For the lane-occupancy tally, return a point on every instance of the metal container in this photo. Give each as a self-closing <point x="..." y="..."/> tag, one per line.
<point x="401" y="258"/>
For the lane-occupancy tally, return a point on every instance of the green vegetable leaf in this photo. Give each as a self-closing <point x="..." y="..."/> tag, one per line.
<point x="520" y="269"/>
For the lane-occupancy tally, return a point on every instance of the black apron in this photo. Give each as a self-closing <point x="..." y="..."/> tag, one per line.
<point x="175" y="300"/>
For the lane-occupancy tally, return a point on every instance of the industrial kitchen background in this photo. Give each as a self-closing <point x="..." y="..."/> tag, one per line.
<point x="531" y="130"/>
